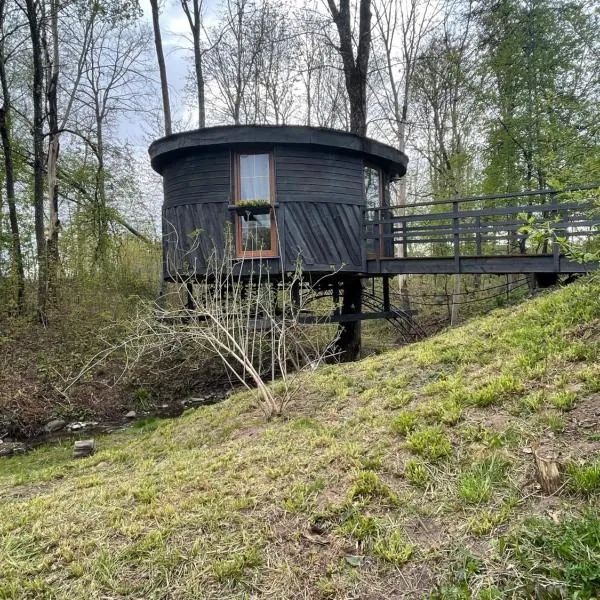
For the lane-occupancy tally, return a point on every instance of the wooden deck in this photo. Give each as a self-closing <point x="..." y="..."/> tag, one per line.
<point x="484" y="234"/>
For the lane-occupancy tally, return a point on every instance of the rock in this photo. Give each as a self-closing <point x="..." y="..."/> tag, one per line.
<point x="78" y="425"/>
<point x="131" y="414"/>
<point x="167" y="410"/>
<point x="84" y="448"/>
<point x="12" y="449"/>
<point x="55" y="425"/>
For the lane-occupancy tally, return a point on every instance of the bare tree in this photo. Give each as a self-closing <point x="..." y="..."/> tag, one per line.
<point x="162" y="68"/>
<point x="412" y="22"/>
<point x="193" y="11"/>
<point x="35" y="21"/>
<point x="233" y="60"/>
<point x="277" y="65"/>
<point x="356" y="63"/>
<point x="113" y="85"/>
<point x="9" y="171"/>
<point x="322" y="74"/>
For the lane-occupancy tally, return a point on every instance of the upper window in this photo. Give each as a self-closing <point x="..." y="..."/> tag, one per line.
<point x="255" y="178"/>
<point x="255" y="225"/>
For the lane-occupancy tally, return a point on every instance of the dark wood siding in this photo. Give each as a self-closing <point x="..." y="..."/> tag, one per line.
<point x="320" y="194"/>
<point x="309" y="175"/>
<point x="197" y="191"/>
<point x="191" y="233"/>
<point x="198" y="178"/>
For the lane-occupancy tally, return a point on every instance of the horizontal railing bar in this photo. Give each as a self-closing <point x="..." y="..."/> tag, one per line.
<point x="492" y="226"/>
<point x="482" y="212"/>
<point x="542" y="192"/>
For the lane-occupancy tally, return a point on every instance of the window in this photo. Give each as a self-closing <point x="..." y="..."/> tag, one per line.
<point x="372" y="190"/>
<point x="255" y="226"/>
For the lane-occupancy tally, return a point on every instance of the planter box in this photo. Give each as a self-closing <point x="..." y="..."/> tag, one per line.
<point x="247" y="212"/>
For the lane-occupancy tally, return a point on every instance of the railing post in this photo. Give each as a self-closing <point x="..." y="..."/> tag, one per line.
<point x="456" y="235"/>
<point x="478" y="248"/>
<point x="555" y="244"/>
<point x="404" y="241"/>
<point x="380" y="237"/>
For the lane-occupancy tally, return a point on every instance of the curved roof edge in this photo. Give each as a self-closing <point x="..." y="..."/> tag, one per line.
<point x="163" y="149"/>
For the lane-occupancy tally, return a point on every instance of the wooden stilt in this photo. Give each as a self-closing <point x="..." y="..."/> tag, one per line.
<point x="190" y="295"/>
<point x="386" y="293"/>
<point x="350" y="331"/>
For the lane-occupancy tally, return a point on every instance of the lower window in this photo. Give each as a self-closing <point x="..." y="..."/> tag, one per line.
<point x="256" y="233"/>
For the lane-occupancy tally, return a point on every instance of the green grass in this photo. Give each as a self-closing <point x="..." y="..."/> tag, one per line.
<point x="476" y="484"/>
<point x="416" y="472"/>
<point x="378" y="477"/>
<point x="431" y="443"/>
<point x="585" y="479"/>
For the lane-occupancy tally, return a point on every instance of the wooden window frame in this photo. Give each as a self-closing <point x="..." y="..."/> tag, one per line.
<point x="382" y="204"/>
<point x="273" y="252"/>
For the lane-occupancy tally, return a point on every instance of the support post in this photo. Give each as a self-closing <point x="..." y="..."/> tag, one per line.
<point x="456" y="235"/>
<point x="350" y="331"/>
<point x="190" y="302"/>
<point x="386" y="293"/>
<point x="455" y="298"/>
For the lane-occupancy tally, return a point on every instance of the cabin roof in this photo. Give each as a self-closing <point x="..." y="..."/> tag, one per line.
<point x="239" y="136"/>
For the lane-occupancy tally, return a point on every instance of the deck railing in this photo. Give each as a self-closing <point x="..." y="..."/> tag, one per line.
<point x="484" y="225"/>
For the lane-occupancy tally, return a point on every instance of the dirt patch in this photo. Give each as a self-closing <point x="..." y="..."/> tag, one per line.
<point x="426" y="533"/>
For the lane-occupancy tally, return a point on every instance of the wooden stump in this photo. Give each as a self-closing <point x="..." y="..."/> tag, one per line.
<point x="84" y="448"/>
<point x="548" y="470"/>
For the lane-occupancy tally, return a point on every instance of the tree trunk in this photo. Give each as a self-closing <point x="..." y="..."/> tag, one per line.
<point x="160" y="57"/>
<point x="38" y="152"/>
<point x="100" y="197"/>
<point x="9" y="172"/>
<point x="200" y="84"/>
<point x="53" y="151"/>
<point x="355" y="69"/>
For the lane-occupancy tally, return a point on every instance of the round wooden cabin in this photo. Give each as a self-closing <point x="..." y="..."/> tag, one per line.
<point x="288" y="193"/>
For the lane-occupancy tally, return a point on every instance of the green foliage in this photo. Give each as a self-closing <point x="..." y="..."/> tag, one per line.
<point x="448" y="411"/>
<point x="255" y="203"/>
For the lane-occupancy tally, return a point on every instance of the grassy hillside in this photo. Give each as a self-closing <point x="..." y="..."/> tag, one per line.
<point x="409" y="474"/>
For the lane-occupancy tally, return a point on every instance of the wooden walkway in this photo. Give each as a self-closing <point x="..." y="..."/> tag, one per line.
<point x="484" y="234"/>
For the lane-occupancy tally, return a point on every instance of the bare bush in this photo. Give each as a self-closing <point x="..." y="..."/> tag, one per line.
<point x="240" y="311"/>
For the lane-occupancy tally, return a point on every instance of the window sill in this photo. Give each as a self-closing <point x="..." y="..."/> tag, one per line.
<point x="237" y="207"/>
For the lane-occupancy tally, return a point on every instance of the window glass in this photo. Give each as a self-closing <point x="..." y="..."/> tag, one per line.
<point x="256" y="233"/>
<point x="255" y="187"/>
<point x="372" y="200"/>
<point x="372" y="191"/>
<point x="254" y="177"/>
